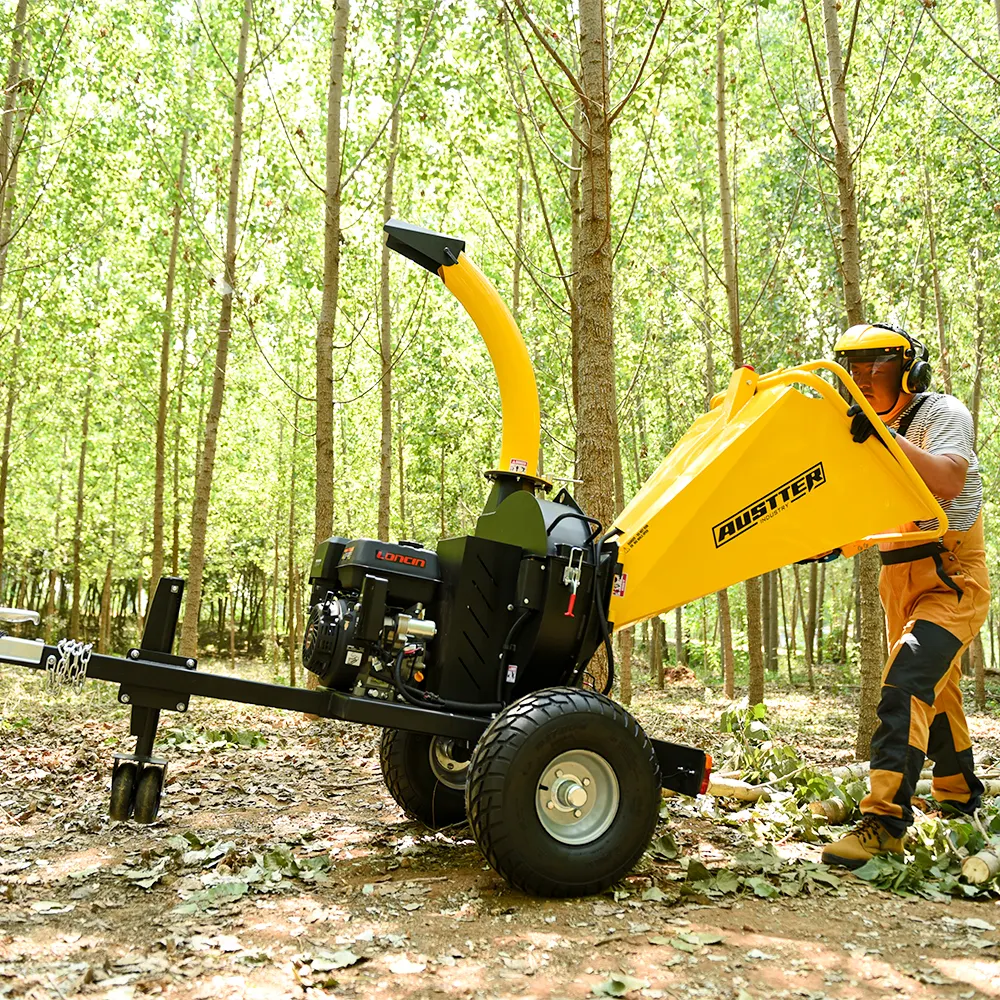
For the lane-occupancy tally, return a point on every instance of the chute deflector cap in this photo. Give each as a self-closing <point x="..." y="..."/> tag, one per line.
<point x="427" y="248"/>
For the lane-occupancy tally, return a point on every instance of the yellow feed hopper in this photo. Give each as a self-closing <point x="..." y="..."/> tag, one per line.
<point x="769" y="476"/>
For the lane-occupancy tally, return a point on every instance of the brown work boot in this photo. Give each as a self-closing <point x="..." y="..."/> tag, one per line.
<point x="868" y="839"/>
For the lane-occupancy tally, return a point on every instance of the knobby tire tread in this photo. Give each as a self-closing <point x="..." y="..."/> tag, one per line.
<point x="494" y="756"/>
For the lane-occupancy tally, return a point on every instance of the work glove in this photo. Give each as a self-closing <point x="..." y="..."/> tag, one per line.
<point x="862" y="428"/>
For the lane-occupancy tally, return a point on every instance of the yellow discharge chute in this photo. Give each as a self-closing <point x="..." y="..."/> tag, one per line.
<point x="770" y="475"/>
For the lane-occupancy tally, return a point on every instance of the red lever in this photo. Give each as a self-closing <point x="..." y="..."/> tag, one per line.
<point x="569" y="610"/>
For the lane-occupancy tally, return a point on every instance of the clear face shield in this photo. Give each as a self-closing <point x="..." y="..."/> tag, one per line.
<point x="878" y="373"/>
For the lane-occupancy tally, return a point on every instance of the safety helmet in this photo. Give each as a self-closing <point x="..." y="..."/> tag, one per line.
<point x="875" y="341"/>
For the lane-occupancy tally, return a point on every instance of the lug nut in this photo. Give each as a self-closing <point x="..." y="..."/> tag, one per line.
<point x="550" y="804"/>
<point x="577" y="813"/>
<point x="586" y="782"/>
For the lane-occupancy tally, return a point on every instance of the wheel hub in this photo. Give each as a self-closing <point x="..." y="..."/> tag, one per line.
<point x="577" y="797"/>
<point x="446" y="763"/>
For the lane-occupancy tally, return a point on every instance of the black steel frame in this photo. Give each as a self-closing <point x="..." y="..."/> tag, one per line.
<point x="152" y="680"/>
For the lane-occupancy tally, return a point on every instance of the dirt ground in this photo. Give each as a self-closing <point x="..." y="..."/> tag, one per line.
<point x="284" y="869"/>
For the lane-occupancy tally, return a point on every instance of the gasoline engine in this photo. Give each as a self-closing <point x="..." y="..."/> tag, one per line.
<point x="515" y="607"/>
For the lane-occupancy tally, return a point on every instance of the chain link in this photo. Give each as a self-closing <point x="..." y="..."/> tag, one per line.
<point x="70" y="669"/>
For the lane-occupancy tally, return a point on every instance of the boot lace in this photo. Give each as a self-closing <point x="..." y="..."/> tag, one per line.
<point x="870" y="826"/>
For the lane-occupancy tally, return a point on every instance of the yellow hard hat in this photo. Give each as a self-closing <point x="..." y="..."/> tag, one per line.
<point x="871" y="339"/>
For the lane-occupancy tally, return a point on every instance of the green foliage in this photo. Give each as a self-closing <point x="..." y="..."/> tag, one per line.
<point x="214" y="739"/>
<point x="751" y="748"/>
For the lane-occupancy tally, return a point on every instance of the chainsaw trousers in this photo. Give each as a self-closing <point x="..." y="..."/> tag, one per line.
<point x="935" y="606"/>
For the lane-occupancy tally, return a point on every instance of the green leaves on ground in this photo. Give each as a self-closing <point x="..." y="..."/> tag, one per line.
<point x="619" y="985"/>
<point x="214" y="739"/>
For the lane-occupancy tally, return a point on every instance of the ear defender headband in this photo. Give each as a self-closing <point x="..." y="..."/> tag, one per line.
<point x="917" y="372"/>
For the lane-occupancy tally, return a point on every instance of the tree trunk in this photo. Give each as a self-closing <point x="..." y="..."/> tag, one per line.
<point x="232" y="626"/>
<point x="755" y="688"/>
<point x="385" y="341"/>
<point x="9" y="155"/>
<point x="399" y="453"/>
<point x="847" y="627"/>
<point x="574" y="305"/>
<point x="331" y="281"/>
<point x="943" y="362"/>
<point x="820" y="608"/>
<point x="8" y="426"/>
<point x="979" y="665"/>
<point x="626" y="637"/>
<point x="597" y="425"/>
<point x="728" y="665"/>
<point x="203" y="483"/>
<point x="807" y="646"/>
<point x="444" y="449"/>
<point x="656" y="654"/>
<point x="8" y="182"/>
<point x="175" y="547"/>
<point x="74" y="617"/>
<point x="850" y="254"/>
<point x="725" y="196"/>
<point x="872" y="642"/>
<point x="773" y="665"/>
<point x="104" y="627"/>
<point x="679" y="649"/>
<point x="165" y="342"/>
<point x="765" y="616"/>
<point x="977" y="380"/>
<point x="784" y="619"/>
<point x="292" y="596"/>
<point x="276" y="572"/>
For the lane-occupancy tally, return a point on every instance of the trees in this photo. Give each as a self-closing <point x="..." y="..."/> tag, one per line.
<point x="206" y="469"/>
<point x="607" y="238"/>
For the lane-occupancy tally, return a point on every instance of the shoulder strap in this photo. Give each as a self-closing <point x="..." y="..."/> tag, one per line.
<point x="904" y="424"/>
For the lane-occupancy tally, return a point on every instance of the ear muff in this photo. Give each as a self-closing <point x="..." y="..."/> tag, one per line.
<point x="917" y="372"/>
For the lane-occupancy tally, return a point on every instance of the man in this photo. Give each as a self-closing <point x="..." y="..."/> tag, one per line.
<point x="936" y="596"/>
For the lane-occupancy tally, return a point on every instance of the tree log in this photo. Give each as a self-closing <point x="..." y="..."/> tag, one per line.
<point x="981" y="867"/>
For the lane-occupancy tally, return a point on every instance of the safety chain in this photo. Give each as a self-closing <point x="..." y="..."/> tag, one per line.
<point x="71" y="666"/>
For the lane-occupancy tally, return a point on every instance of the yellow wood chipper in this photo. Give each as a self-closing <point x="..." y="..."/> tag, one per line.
<point x="472" y="656"/>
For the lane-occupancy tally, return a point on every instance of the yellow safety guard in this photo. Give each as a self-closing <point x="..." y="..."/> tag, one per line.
<point x="769" y="476"/>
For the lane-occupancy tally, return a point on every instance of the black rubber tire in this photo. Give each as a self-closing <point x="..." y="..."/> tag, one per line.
<point x="147" y="795"/>
<point x="123" y="790"/>
<point x="504" y="773"/>
<point x="406" y="768"/>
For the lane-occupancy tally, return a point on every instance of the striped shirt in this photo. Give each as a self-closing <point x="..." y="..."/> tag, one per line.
<point x="943" y="426"/>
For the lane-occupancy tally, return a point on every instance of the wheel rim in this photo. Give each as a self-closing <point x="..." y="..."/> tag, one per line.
<point x="445" y="766"/>
<point x="577" y="797"/>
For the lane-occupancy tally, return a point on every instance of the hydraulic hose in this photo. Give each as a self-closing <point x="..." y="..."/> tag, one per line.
<point x="501" y="674"/>
<point x="424" y="698"/>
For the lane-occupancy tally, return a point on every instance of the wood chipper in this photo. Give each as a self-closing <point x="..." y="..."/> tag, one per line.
<point x="473" y="656"/>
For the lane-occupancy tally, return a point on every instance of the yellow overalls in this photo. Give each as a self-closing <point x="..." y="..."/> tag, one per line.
<point x="936" y="599"/>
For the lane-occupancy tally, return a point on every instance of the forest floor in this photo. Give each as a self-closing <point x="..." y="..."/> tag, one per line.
<point x="280" y="867"/>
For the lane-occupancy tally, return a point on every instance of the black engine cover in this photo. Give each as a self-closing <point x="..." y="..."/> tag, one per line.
<point x="412" y="571"/>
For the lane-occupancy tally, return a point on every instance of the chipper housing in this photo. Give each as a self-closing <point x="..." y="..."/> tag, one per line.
<point x="477" y="656"/>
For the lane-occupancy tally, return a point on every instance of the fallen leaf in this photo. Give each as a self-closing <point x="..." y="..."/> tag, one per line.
<point x="52" y="906"/>
<point x="403" y="966"/>
<point x="337" y="960"/>
<point x="619" y="986"/>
